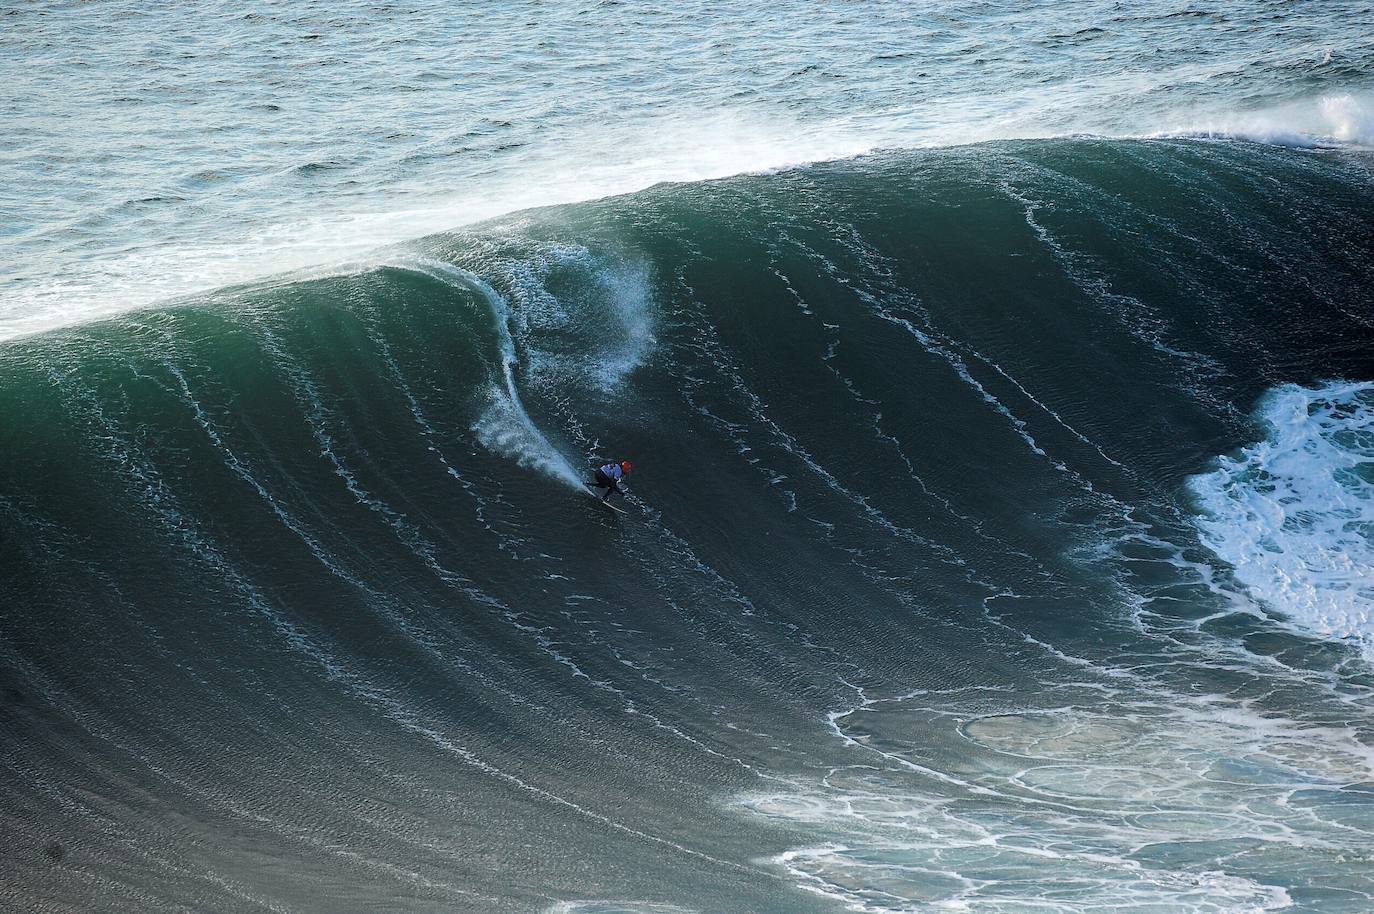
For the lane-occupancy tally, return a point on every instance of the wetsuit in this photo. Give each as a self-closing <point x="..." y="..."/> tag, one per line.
<point x="608" y="477"/>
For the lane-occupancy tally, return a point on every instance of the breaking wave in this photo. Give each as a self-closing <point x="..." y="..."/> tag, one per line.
<point x="999" y="539"/>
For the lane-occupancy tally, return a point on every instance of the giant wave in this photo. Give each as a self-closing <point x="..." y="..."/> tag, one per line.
<point x="936" y="589"/>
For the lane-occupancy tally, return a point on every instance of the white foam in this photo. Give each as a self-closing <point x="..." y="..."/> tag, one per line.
<point x="1147" y="803"/>
<point x="587" y="906"/>
<point x="1294" y="513"/>
<point x="1340" y="119"/>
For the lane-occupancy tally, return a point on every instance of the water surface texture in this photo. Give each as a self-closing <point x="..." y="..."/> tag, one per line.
<point x="1000" y="385"/>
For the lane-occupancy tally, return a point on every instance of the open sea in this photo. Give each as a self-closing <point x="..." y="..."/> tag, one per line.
<point x="999" y="380"/>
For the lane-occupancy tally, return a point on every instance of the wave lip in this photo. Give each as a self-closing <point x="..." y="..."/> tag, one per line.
<point x="320" y="232"/>
<point x="321" y="235"/>
<point x="1332" y="120"/>
<point x="1294" y="513"/>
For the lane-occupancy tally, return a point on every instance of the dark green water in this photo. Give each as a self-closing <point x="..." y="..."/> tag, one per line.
<point x="304" y="611"/>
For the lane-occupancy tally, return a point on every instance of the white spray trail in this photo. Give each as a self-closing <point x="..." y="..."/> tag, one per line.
<point x="505" y="427"/>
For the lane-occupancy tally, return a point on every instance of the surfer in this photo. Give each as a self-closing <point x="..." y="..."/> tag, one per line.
<point x="609" y="476"/>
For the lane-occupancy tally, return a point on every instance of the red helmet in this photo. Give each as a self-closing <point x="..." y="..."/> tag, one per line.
<point x="624" y="466"/>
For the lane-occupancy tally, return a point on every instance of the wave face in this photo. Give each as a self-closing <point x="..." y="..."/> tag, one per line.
<point x="998" y="541"/>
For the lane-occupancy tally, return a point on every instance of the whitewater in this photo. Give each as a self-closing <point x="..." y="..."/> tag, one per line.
<point x="1000" y="392"/>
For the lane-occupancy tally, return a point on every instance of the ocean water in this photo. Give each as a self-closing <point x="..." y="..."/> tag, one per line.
<point x="1000" y="387"/>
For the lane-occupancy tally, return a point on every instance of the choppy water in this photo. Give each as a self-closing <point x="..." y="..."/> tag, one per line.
<point x="1000" y="534"/>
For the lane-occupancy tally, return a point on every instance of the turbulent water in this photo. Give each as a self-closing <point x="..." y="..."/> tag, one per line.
<point x="1002" y="523"/>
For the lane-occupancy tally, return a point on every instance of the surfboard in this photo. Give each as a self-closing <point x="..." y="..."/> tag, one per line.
<point x="591" y="490"/>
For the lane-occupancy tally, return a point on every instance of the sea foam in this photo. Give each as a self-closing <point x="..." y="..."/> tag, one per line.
<point x="1333" y="119"/>
<point x="1294" y="513"/>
